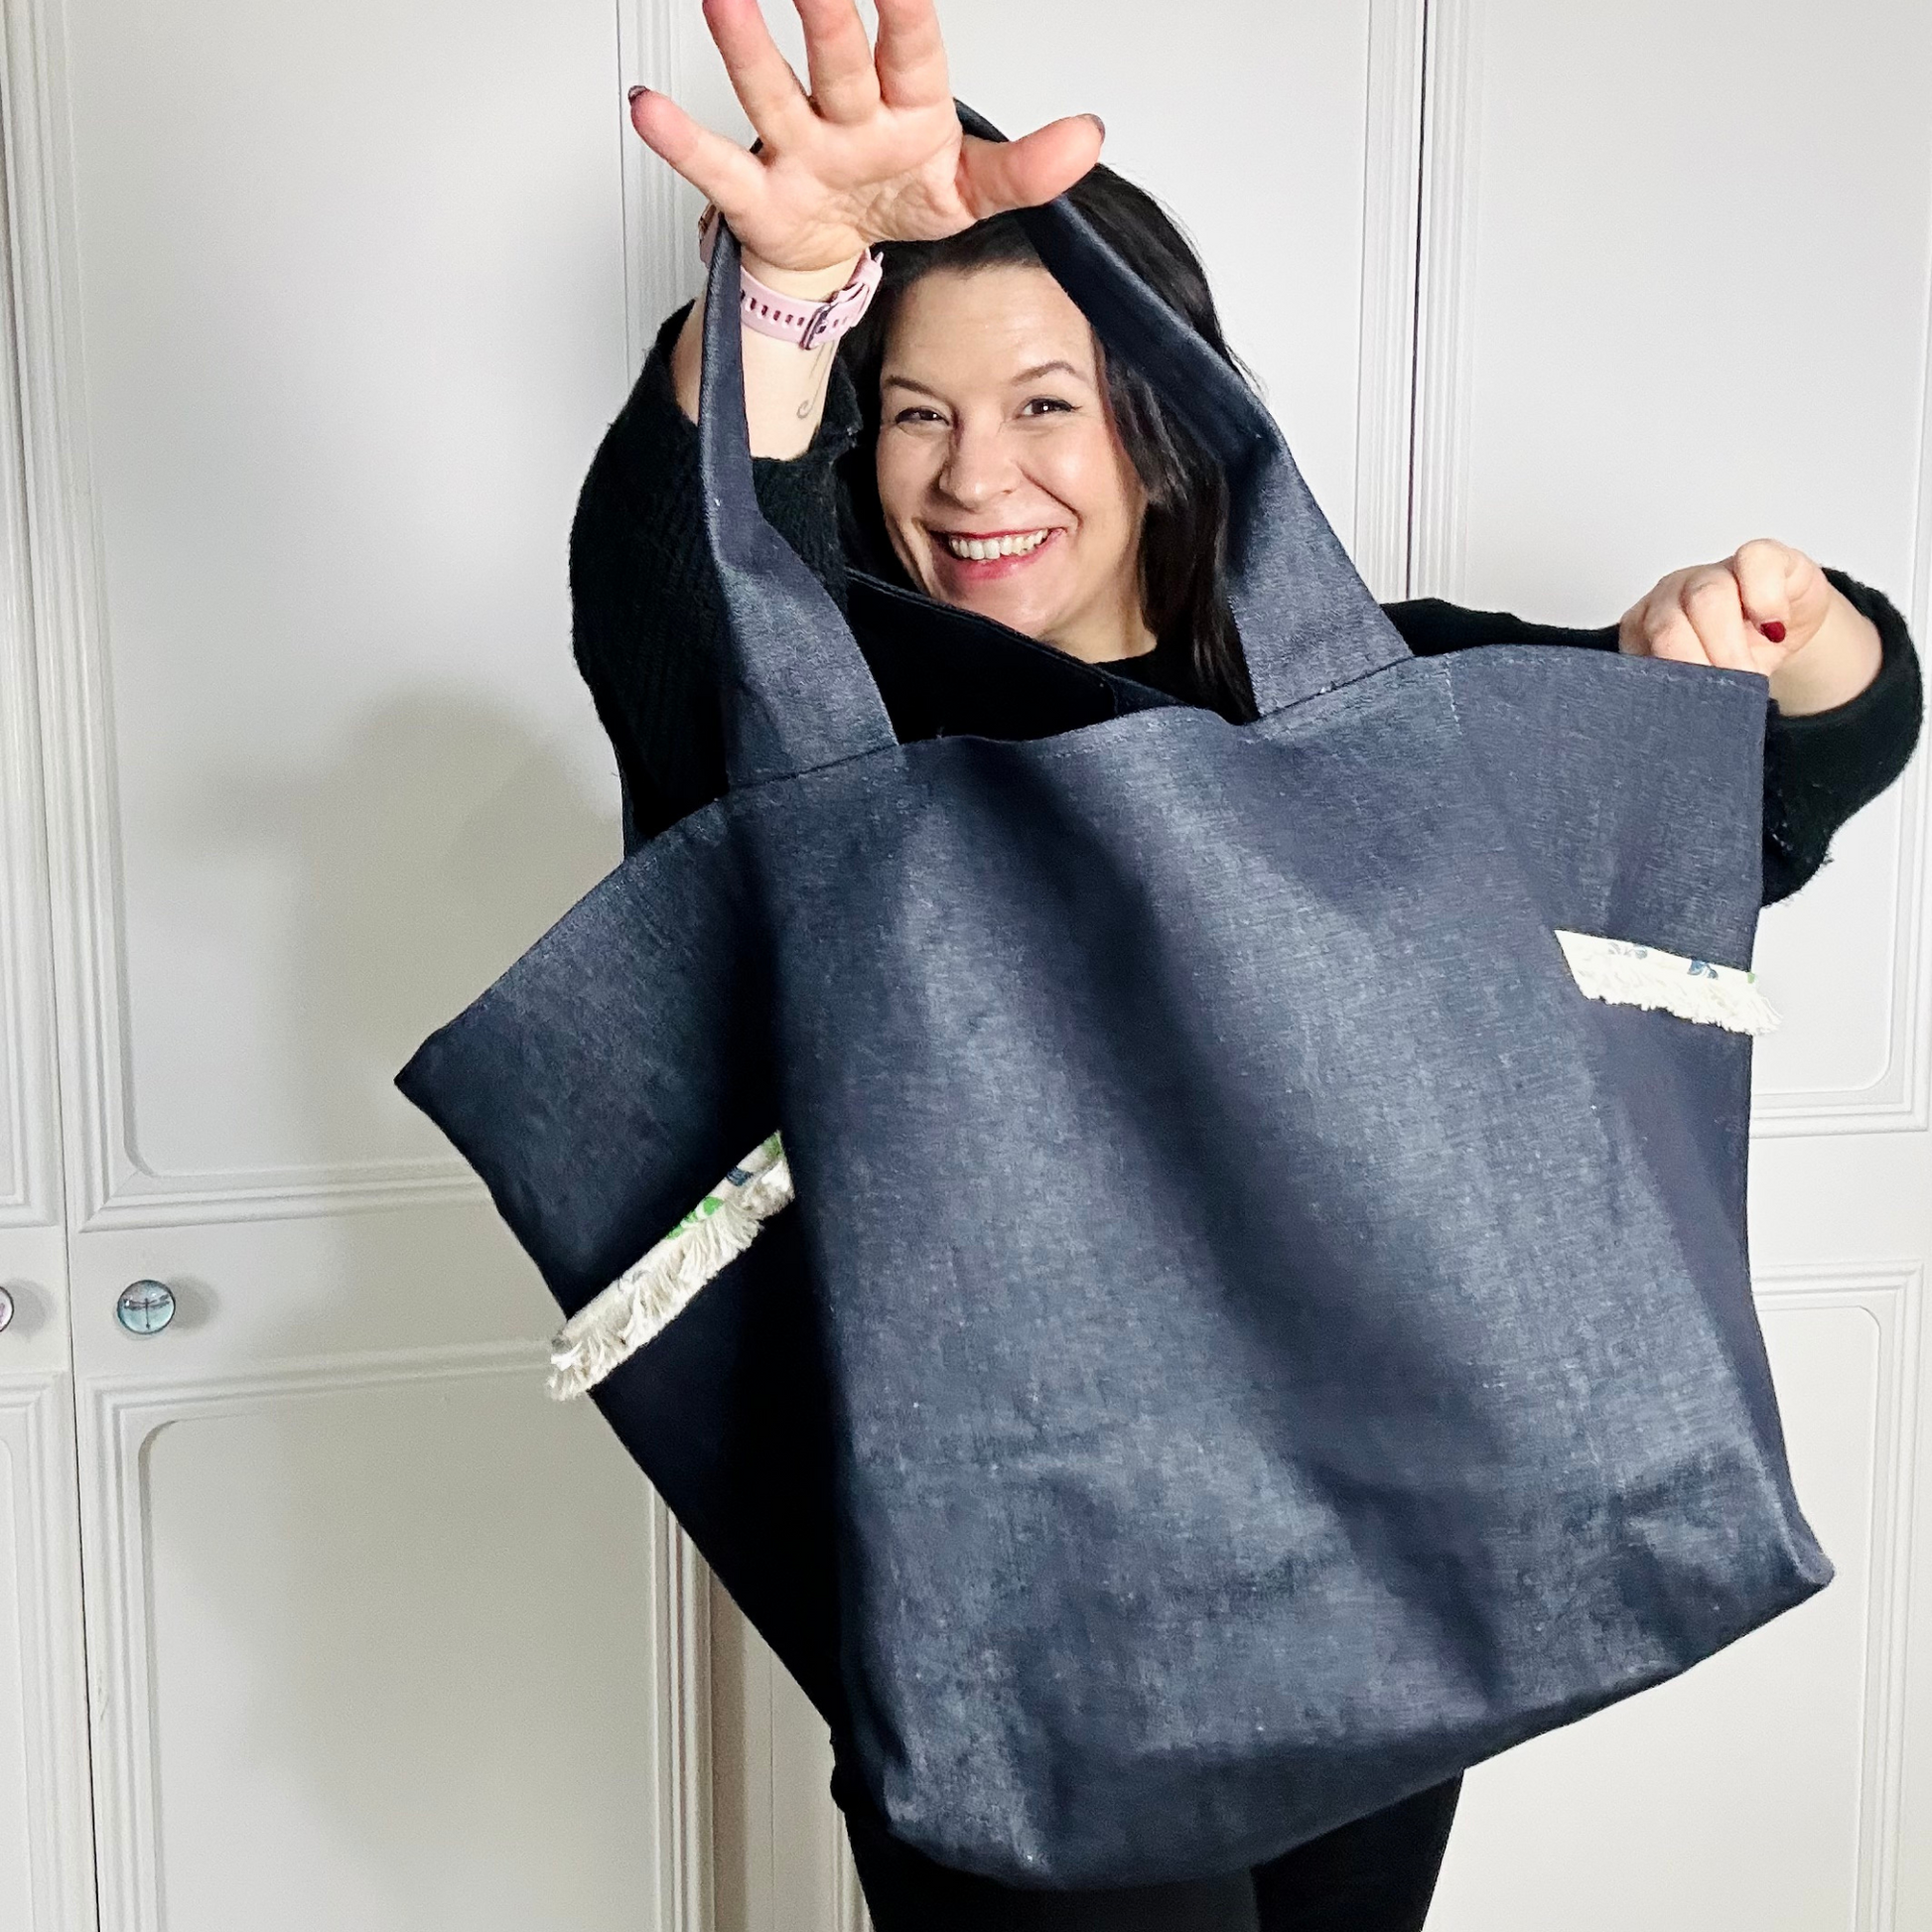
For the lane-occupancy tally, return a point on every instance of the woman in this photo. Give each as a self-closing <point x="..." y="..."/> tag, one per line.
<point x="972" y="441"/>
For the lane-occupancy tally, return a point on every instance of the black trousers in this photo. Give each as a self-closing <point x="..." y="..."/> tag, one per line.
<point x="1377" y="1874"/>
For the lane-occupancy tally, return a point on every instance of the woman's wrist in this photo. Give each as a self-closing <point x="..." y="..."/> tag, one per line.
<point x="807" y="284"/>
<point x="784" y="382"/>
<point x="1837" y="666"/>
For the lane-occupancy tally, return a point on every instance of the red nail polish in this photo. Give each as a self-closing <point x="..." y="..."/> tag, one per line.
<point x="1774" y="630"/>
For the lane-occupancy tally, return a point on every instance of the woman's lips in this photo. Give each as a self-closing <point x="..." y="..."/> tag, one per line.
<point x="959" y="573"/>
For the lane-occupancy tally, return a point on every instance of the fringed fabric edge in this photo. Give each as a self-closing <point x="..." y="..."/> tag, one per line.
<point x="654" y="1291"/>
<point x="1625" y="974"/>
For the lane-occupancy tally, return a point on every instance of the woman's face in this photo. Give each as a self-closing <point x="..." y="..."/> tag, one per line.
<point x="1003" y="480"/>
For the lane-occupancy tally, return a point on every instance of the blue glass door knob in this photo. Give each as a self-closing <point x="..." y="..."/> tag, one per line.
<point x="145" y="1307"/>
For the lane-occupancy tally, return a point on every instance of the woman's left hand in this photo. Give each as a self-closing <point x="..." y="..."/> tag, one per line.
<point x="1770" y="608"/>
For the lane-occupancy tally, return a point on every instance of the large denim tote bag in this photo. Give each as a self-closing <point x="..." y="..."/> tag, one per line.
<point x="1266" y="1319"/>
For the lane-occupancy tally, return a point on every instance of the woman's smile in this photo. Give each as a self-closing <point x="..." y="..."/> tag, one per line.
<point x="966" y="558"/>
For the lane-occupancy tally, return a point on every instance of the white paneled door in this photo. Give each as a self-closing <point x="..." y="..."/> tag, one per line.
<point x="45" y="1853"/>
<point x="322" y="313"/>
<point x="1676" y="270"/>
<point x="316" y="315"/>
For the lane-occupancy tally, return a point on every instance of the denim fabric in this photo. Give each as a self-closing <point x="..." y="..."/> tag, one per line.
<point x="1256" y="1338"/>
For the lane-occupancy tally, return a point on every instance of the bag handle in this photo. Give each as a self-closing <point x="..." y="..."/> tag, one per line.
<point x="798" y="695"/>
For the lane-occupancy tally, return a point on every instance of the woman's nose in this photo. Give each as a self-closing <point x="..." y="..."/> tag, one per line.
<point x="977" y="470"/>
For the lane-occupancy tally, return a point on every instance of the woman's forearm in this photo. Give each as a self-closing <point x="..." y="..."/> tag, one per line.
<point x="784" y="385"/>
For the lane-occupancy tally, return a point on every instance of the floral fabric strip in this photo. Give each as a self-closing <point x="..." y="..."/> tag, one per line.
<point x="648" y="1295"/>
<point x="1629" y="975"/>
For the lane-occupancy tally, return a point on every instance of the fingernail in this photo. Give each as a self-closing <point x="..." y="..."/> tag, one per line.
<point x="1100" y="124"/>
<point x="1774" y="630"/>
<point x="635" y="91"/>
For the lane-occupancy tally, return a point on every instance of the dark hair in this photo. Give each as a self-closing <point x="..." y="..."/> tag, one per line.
<point x="1183" y="540"/>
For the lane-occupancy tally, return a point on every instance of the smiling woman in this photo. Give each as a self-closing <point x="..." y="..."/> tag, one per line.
<point x="992" y="417"/>
<point x="971" y="443"/>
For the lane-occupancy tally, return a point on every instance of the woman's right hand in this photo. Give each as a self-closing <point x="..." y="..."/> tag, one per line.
<point x="874" y="152"/>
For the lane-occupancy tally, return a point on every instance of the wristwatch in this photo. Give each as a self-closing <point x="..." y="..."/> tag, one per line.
<point x="789" y="319"/>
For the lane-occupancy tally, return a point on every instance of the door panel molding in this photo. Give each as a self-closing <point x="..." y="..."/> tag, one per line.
<point x="63" y="547"/>
<point x="137" y="1196"/>
<point x="1391" y="217"/>
<point x="1898" y="1099"/>
<point x="1892" y="1297"/>
<point x="1445" y="295"/>
<point x="114" y="1185"/>
<point x="848" y="1909"/>
<point x="661" y="234"/>
<point x="28" y="1194"/>
<point x="62" y="570"/>
<point x="661" y="271"/>
<point x="37" y="1441"/>
<point x="122" y="1415"/>
<point x="685" y="1731"/>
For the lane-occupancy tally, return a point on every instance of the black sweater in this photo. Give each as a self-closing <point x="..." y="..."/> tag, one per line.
<point x="648" y="631"/>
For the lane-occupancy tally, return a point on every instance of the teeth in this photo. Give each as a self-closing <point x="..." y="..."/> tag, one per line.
<point x="981" y="550"/>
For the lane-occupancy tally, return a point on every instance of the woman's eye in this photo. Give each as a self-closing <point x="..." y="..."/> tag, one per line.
<point x="916" y="416"/>
<point x="1046" y="406"/>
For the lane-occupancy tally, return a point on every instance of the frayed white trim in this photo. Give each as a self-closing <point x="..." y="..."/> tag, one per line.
<point x="1629" y="975"/>
<point x="652" y="1293"/>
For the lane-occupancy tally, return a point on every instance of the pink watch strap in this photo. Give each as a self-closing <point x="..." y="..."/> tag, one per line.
<point x="787" y="318"/>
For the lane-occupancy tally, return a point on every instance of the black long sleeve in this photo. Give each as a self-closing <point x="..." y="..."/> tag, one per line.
<point x="647" y="631"/>
<point x="646" y="622"/>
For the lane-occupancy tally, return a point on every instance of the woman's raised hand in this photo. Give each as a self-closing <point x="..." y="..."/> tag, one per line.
<point x="1767" y="608"/>
<point x="872" y="153"/>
